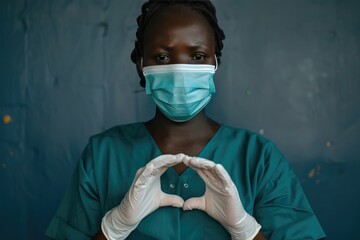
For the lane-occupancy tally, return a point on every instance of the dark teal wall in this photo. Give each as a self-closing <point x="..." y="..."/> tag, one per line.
<point x="291" y="70"/>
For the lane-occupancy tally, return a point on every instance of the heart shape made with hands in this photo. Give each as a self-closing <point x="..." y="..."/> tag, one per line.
<point x="220" y="189"/>
<point x="220" y="201"/>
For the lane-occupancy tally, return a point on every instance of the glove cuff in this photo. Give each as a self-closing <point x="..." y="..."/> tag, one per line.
<point x="113" y="229"/>
<point x="246" y="229"/>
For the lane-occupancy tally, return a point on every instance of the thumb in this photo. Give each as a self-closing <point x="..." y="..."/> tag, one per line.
<point x="171" y="200"/>
<point x="195" y="203"/>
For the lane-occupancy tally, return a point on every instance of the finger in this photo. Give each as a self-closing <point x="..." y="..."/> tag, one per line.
<point x="208" y="179"/>
<point x="137" y="175"/>
<point x="203" y="163"/>
<point x="171" y="200"/>
<point x="195" y="203"/>
<point x="223" y="176"/>
<point x="167" y="160"/>
<point x="202" y="174"/>
<point x="206" y="167"/>
<point x="186" y="160"/>
<point x="211" y="182"/>
<point x="145" y="174"/>
<point x="138" y="172"/>
<point x="208" y="174"/>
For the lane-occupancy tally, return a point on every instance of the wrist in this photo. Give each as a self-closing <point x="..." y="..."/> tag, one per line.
<point x="245" y="229"/>
<point x="113" y="228"/>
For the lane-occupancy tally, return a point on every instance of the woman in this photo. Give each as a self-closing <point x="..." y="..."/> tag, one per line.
<point x="182" y="175"/>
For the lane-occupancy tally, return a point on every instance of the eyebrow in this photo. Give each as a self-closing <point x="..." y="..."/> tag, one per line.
<point x="193" y="48"/>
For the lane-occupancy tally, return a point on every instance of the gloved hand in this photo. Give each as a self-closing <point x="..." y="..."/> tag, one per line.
<point x="221" y="200"/>
<point x="144" y="196"/>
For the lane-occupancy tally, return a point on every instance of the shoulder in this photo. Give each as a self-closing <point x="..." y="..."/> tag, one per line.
<point x="109" y="143"/>
<point x="120" y="134"/>
<point x="261" y="155"/>
<point x="243" y="133"/>
<point x="249" y="140"/>
<point x="125" y="130"/>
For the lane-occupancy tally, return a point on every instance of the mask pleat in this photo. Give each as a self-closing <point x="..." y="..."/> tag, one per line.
<point x="180" y="91"/>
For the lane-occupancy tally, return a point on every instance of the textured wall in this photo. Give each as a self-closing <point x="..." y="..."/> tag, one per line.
<point x="291" y="71"/>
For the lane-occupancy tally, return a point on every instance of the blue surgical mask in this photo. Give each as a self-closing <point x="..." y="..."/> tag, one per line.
<point x="180" y="91"/>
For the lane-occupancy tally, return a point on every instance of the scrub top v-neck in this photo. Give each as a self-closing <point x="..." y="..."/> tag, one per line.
<point x="267" y="186"/>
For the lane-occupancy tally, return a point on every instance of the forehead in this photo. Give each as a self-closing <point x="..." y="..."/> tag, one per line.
<point x="176" y="24"/>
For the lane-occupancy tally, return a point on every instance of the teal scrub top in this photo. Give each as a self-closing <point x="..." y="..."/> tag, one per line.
<point x="268" y="188"/>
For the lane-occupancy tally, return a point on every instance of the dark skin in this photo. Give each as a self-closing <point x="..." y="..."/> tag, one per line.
<point x="179" y="35"/>
<point x="175" y="40"/>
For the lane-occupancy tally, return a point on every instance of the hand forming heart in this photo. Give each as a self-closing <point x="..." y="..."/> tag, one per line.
<point x="221" y="200"/>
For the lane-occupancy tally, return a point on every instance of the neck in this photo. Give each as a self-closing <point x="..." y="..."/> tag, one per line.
<point x="199" y="126"/>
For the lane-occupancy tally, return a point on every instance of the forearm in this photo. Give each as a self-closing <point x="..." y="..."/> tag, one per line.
<point x="101" y="236"/>
<point x="259" y="236"/>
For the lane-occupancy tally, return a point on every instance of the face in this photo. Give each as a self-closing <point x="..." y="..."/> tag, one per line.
<point x="178" y="35"/>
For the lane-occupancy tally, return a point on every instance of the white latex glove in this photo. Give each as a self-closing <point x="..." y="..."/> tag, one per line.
<point x="144" y="197"/>
<point x="221" y="200"/>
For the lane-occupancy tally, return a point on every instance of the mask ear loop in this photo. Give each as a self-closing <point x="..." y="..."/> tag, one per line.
<point x="216" y="63"/>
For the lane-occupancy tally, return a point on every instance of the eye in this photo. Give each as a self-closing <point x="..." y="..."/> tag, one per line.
<point x="198" y="57"/>
<point x="162" y="58"/>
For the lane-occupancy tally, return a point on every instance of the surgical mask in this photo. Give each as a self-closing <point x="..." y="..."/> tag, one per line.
<point x="180" y="91"/>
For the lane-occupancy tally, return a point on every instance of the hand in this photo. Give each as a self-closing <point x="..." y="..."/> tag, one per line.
<point x="144" y="197"/>
<point x="221" y="200"/>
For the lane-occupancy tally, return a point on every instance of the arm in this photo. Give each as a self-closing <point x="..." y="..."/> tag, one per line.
<point x="144" y="197"/>
<point x="99" y="236"/>
<point x="281" y="205"/>
<point x="221" y="200"/>
<point x="259" y="236"/>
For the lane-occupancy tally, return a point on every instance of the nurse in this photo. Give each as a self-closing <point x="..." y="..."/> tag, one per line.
<point x="182" y="175"/>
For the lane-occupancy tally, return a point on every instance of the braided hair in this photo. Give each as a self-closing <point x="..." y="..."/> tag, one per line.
<point x="150" y="7"/>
